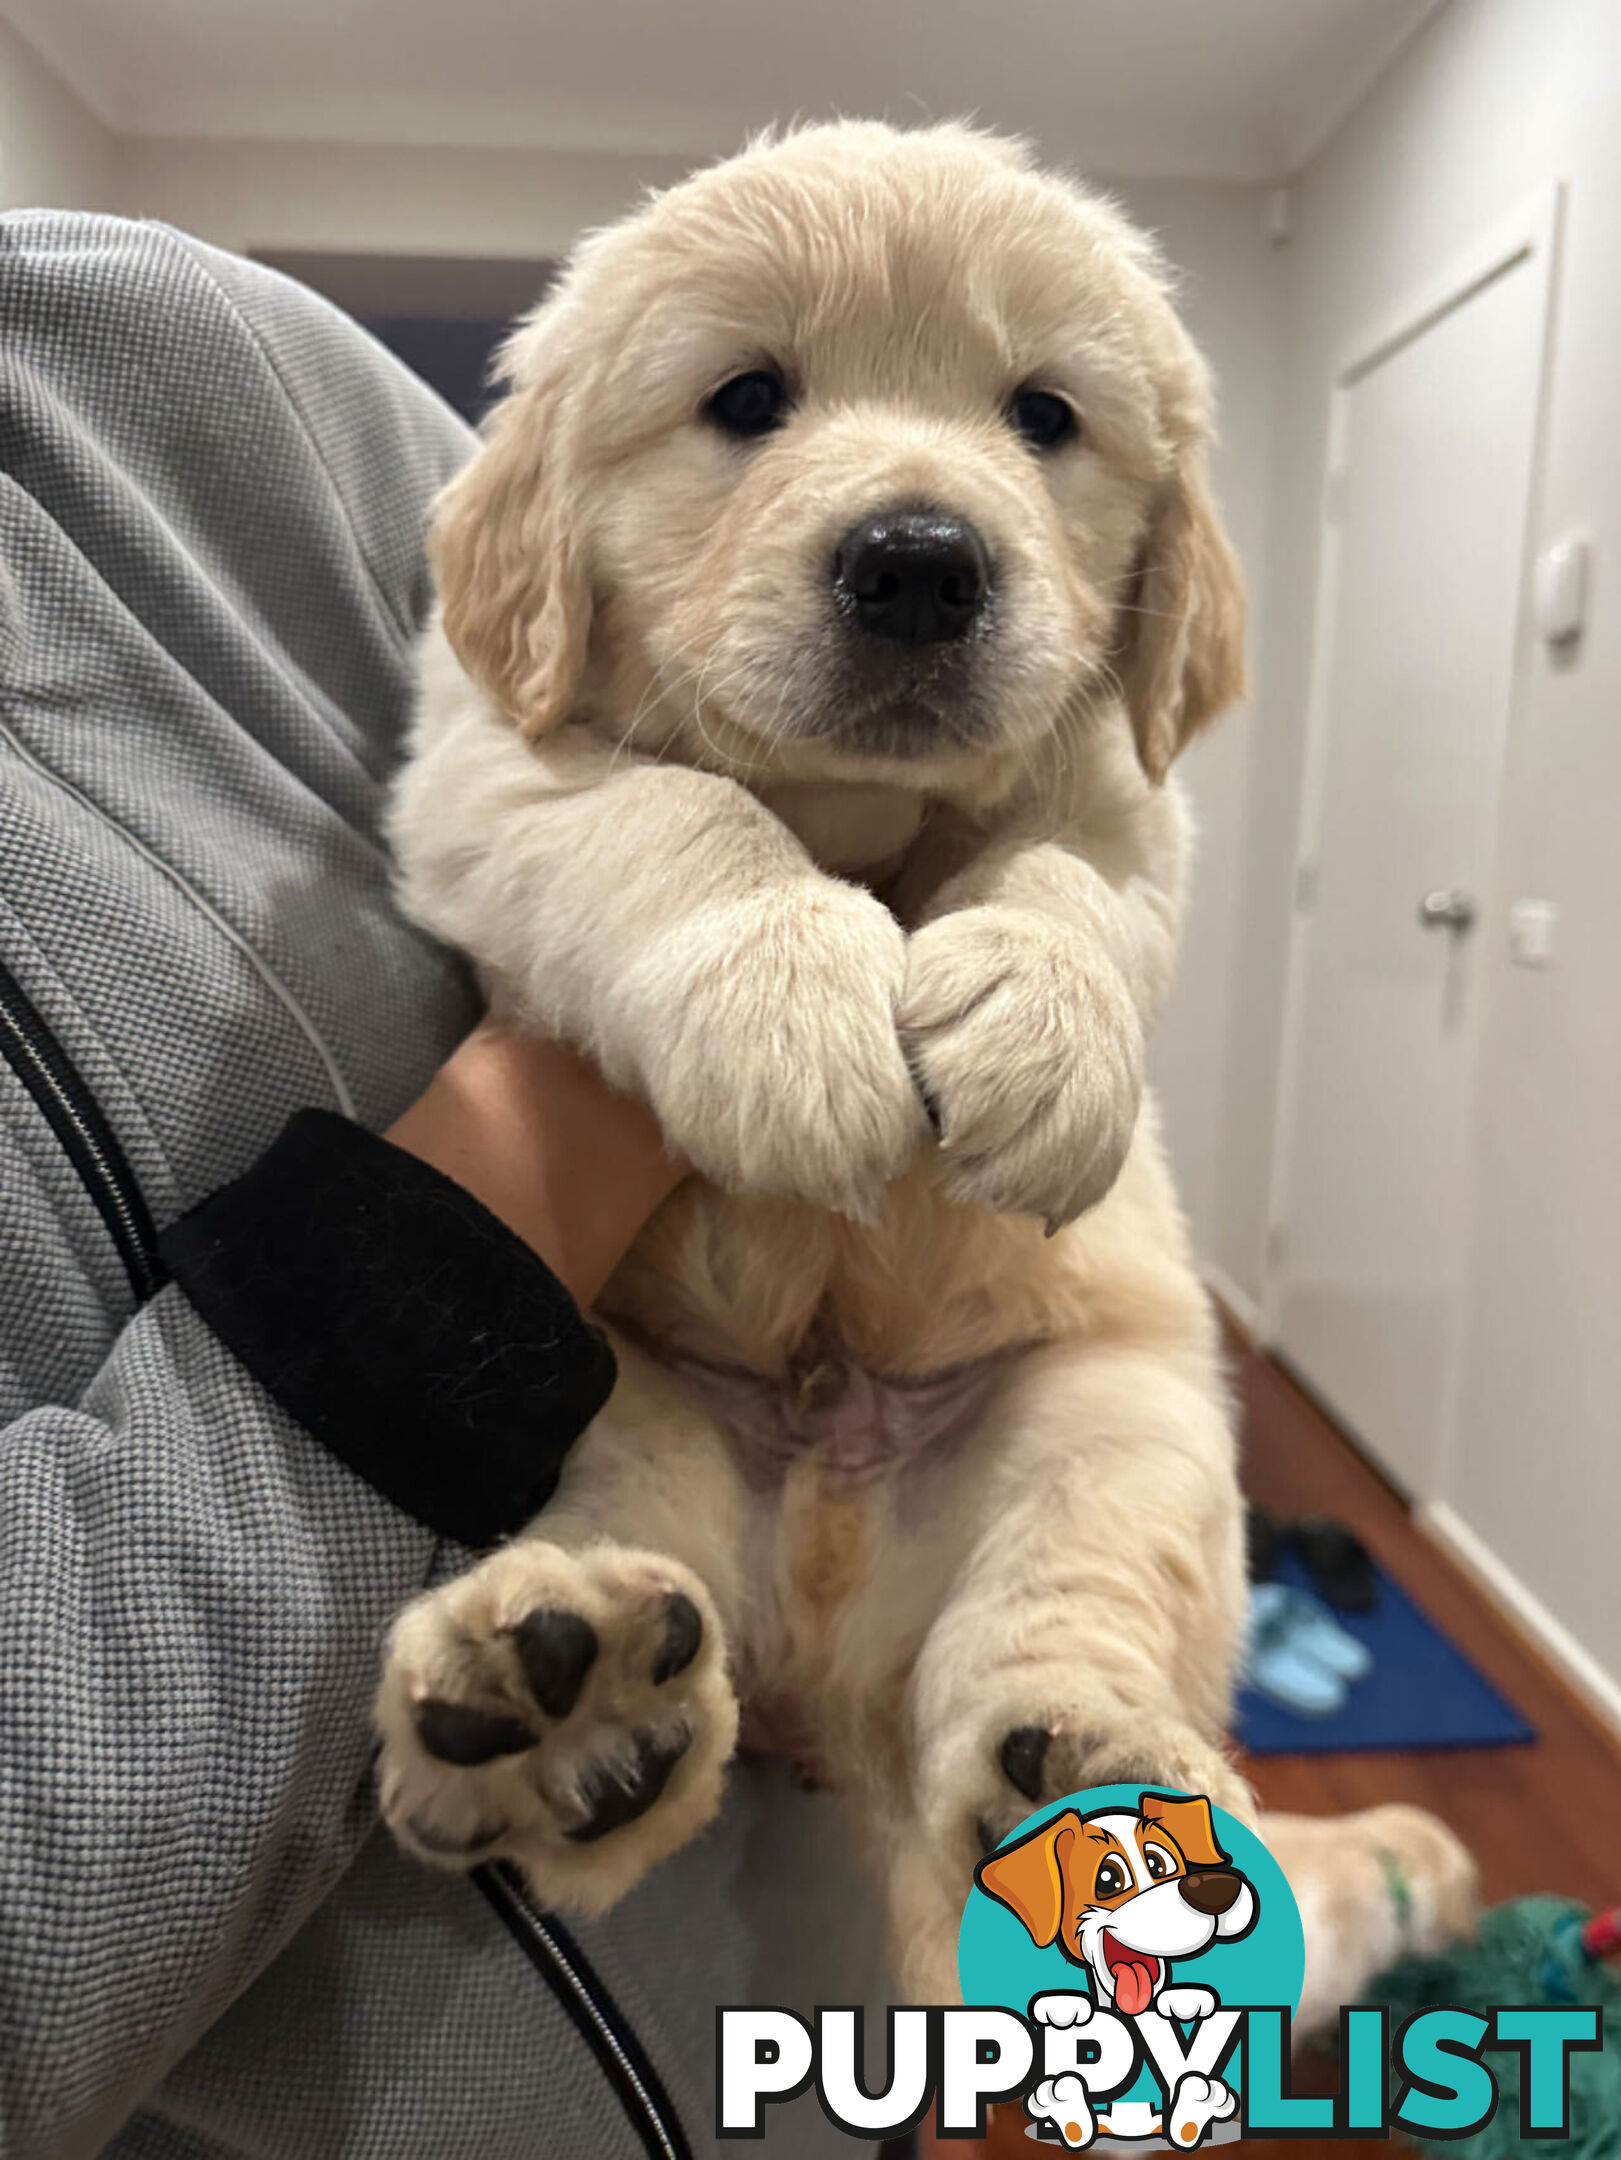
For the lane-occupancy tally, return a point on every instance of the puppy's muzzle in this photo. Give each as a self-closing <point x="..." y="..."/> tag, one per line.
<point x="913" y="577"/>
<point x="1212" y="1890"/>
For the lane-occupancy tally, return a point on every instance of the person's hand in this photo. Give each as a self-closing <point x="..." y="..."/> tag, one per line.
<point x="534" y="1132"/>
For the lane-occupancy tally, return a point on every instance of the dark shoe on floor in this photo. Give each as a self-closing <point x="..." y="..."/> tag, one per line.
<point x="1338" y="1562"/>
<point x="1260" y="1544"/>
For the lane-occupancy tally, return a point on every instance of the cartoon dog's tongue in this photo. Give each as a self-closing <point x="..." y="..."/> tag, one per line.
<point x="1134" y="1973"/>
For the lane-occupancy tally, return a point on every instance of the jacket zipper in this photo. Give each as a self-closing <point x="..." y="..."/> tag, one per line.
<point x="73" y="1114"/>
<point x="554" y="1953"/>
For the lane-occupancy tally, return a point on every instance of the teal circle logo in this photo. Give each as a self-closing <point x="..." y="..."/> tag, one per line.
<point x="1125" y="1923"/>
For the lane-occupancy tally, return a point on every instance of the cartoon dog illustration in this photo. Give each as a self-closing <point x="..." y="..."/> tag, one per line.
<point x="1122" y="1894"/>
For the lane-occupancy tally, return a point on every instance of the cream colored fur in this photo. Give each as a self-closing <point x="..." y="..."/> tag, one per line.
<point x="625" y="803"/>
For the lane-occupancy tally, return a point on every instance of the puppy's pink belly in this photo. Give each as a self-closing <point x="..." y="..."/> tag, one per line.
<point x="782" y="1724"/>
<point x="858" y="1424"/>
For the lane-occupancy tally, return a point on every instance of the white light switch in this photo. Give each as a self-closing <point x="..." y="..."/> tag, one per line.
<point x="1532" y="925"/>
<point x="1561" y="588"/>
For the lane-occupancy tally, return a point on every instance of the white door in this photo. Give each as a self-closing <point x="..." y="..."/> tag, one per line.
<point x="1425" y="533"/>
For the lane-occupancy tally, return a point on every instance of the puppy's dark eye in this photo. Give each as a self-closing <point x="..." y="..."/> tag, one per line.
<point x="1046" y="422"/>
<point x="1158" y="1864"/>
<point x="1111" y="1879"/>
<point x="751" y="404"/>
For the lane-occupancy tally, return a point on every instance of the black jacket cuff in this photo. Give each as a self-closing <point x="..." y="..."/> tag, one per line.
<point x="403" y="1326"/>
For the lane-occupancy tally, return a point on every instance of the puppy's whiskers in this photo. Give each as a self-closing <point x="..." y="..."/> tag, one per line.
<point x="721" y="757"/>
<point x="656" y="689"/>
<point x="781" y="725"/>
<point x="1154" y="614"/>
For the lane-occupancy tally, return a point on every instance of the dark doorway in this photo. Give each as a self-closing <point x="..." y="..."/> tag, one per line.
<point x="443" y="315"/>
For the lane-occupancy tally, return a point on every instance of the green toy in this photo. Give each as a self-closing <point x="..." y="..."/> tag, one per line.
<point x="1535" y="1950"/>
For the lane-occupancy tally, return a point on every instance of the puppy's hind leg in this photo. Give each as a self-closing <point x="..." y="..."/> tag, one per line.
<point x="1091" y="1633"/>
<point x="566" y="1704"/>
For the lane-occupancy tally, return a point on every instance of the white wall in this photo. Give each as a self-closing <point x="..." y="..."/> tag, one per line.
<point x="1232" y="298"/>
<point x="355" y="198"/>
<point x="1495" y="100"/>
<point x="53" y="152"/>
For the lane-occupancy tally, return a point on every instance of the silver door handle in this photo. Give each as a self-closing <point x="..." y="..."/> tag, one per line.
<point x="1451" y="909"/>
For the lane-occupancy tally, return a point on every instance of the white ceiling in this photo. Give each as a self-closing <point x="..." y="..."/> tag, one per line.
<point x="1219" y="89"/>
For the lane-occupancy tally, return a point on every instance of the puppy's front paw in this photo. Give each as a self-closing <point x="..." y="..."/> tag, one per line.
<point x="776" y="1067"/>
<point x="1029" y="1051"/>
<point x="1064" y="2010"/>
<point x="568" y="1711"/>
<point x="1051" y="1753"/>
<point x="1185" y="2003"/>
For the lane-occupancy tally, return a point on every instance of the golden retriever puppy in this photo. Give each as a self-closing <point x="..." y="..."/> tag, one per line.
<point x="819" y="621"/>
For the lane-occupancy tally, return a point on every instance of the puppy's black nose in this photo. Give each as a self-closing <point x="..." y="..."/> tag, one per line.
<point x="918" y="577"/>
<point x="1212" y="1891"/>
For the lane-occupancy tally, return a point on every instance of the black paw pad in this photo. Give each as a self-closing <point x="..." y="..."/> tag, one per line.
<point x="556" y="1650"/>
<point x="1023" y="1757"/>
<point x="616" y="1793"/>
<point x="455" y="1848"/>
<point x="453" y="1733"/>
<point x="683" y="1633"/>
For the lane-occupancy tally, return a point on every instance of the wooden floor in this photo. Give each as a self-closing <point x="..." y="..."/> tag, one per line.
<point x="1542" y="1817"/>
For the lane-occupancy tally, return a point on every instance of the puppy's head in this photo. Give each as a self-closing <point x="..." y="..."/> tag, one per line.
<point x="1124" y="1893"/>
<point x="865" y="454"/>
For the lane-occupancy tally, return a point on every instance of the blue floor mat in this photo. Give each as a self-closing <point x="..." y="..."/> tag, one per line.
<point x="1421" y="1692"/>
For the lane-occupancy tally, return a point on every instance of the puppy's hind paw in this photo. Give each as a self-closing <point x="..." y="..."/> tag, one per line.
<point x="1065" y="2103"/>
<point x="567" y="1711"/>
<point x="1196" y="2104"/>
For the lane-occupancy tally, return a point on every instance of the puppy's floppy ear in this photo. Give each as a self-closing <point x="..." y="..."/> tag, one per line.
<point x="506" y="544"/>
<point x="1180" y="656"/>
<point x="1028" y="1878"/>
<point x="1189" y="1823"/>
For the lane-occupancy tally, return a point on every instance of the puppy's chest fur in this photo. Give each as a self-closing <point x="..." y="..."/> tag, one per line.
<point x="863" y="832"/>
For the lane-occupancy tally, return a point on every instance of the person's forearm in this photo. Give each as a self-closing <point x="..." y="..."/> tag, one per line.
<point x="171" y="1851"/>
<point x="531" y="1130"/>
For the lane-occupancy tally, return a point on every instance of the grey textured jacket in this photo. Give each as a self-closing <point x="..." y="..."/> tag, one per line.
<point x="211" y="495"/>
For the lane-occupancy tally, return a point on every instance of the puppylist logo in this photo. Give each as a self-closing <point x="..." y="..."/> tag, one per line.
<point x="1130" y="1964"/>
<point x="1131" y="1892"/>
